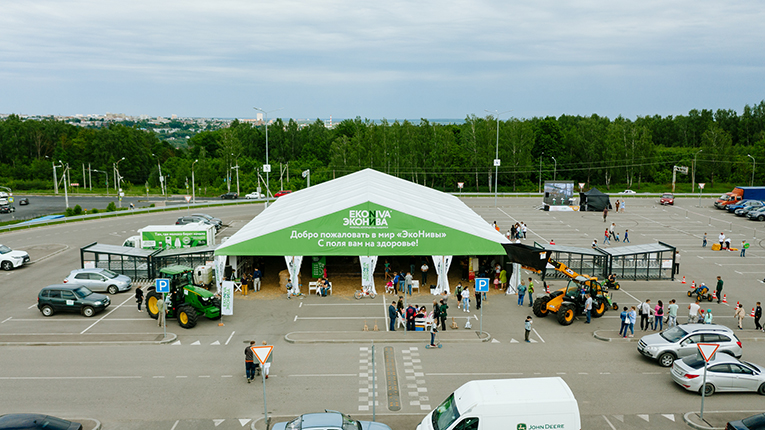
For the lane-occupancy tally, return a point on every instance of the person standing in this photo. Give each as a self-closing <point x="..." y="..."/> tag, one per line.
<point x="527" y="327"/>
<point x="605" y="213"/>
<point x="645" y="312"/>
<point x="617" y="206"/>
<point x="161" y="312"/>
<point x="588" y="308"/>
<point x="256" y="276"/>
<point x="424" y="269"/>
<point x="693" y="312"/>
<point x="658" y="316"/>
<point x="392" y="315"/>
<point x="704" y="241"/>
<point x="466" y="299"/>
<point x="408" y="282"/>
<point x="396" y="278"/>
<point x="267" y="364"/>
<point x="524" y="229"/>
<point x="606" y="239"/>
<point x="249" y="362"/>
<point x="521" y="293"/>
<point x="509" y="236"/>
<point x="624" y="317"/>
<point x="721" y="239"/>
<point x="626" y="236"/>
<point x="757" y="316"/>
<point x="719" y="289"/>
<point x="478" y="299"/>
<point x="677" y="263"/>
<point x="744" y="246"/>
<point x="442" y="314"/>
<point x="139" y="297"/>
<point x="503" y="279"/>
<point x="739" y="314"/>
<point x="531" y="292"/>
<point x="633" y="318"/>
<point x="624" y="205"/>
<point x="433" y="331"/>
<point x="672" y="313"/>
<point x="611" y="229"/>
<point x="708" y="317"/>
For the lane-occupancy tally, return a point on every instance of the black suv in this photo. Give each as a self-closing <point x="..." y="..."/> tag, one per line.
<point x="231" y="195"/>
<point x="70" y="298"/>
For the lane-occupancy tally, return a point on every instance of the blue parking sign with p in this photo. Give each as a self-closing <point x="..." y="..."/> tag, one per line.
<point x="162" y="285"/>
<point x="482" y="285"/>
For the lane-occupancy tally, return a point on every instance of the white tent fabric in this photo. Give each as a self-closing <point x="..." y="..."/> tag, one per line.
<point x="220" y="266"/>
<point x="442" y="263"/>
<point x="368" y="264"/>
<point x="515" y="279"/>
<point x="366" y="186"/>
<point x="293" y="266"/>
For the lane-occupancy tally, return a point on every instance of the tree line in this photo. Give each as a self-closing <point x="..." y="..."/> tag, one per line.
<point x="591" y="149"/>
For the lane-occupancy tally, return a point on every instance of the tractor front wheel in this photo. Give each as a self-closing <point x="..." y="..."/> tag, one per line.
<point x="151" y="303"/>
<point x="540" y="306"/>
<point x="187" y="316"/>
<point x="566" y="314"/>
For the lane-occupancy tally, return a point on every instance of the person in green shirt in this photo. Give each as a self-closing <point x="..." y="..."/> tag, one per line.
<point x="442" y="314"/>
<point x="531" y="292"/>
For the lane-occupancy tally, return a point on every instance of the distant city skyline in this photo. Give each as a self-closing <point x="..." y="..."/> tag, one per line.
<point x="390" y="60"/>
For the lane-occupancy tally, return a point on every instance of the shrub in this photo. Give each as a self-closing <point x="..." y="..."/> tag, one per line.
<point x="111" y="207"/>
<point x="151" y="205"/>
<point x="69" y="212"/>
<point x="94" y="211"/>
<point x="77" y="210"/>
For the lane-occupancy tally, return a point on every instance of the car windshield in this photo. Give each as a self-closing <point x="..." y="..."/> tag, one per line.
<point x="109" y="274"/>
<point x="667" y="196"/>
<point x="673" y="335"/>
<point x="205" y="216"/>
<point x="82" y="292"/>
<point x="293" y="425"/>
<point x="4" y="249"/>
<point x="445" y="414"/>
<point x="350" y="424"/>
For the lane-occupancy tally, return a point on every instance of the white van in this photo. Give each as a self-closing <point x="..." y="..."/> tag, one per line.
<point x="507" y="404"/>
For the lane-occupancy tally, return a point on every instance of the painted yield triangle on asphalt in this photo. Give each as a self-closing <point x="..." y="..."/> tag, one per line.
<point x="218" y="422"/>
<point x="215" y="343"/>
<point x="494" y="341"/>
<point x="197" y="343"/>
<point x="513" y="341"/>
<point x="643" y="416"/>
<point x="177" y="342"/>
<point x="244" y="421"/>
<point x="670" y="417"/>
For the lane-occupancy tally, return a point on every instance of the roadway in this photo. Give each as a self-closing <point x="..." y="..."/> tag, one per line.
<point x="197" y="380"/>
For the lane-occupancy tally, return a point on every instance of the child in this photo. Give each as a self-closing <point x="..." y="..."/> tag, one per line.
<point x="626" y="236"/>
<point x="616" y="237"/>
<point x="704" y="241"/>
<point x="527" y="326"/>
<point x="433" y="331"/>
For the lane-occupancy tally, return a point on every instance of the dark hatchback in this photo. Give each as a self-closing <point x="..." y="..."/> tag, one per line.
<point x="36" y="421"/>
<point x="71" y="298"/>
<point x="755" y="422"/>
<point x="229" y="196"/>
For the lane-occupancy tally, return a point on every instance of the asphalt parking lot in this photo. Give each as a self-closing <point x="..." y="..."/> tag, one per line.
<point x="117" y="370"/>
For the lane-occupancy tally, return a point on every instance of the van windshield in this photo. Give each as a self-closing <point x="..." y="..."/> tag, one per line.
<point x="445" y="414"/>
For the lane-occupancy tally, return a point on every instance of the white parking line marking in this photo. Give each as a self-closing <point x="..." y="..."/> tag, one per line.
<point x="110" y="312"/>
<point x="322" y="375"/>
<point x="230" y="336"/>
<point x="175" y="425"/>
<point x="13" y="378"/>
<point x="332" y="318"/>
<point x="609" y="422"/>
<point x="474" y="374"/>
<point x="33" y="306"/>
<point x="537" y="333"/>
<point x="340" y="304"/>
<point x="295" y="319"/>
<point x="6" y="319"/>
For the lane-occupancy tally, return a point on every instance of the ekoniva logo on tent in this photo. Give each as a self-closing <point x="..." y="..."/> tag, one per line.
<point x="367" y="218"/>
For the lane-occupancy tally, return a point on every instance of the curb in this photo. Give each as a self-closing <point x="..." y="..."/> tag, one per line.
<point x="171" y="337"/>
<point x="690" y="423"/>
<point x="487" y="338"/>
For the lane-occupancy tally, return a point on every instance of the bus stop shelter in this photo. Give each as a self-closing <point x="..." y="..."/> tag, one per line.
<point x="642" y="262"/>
<point x="588" y="261"/>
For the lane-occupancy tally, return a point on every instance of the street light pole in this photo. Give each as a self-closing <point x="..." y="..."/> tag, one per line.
<point x="496" y="154"/>
<point x="119" y="180"/>
<point x="237" y="172"/>
<point x="55" y="180"/>
<point x="66" y="185"/>
<point x="161" y="179"/>
<point x="693" y="171"/>
<point x="267" y="169"/>
<point x="539" y="189"/>
<point x="106" y="179"/>
<point x="555" y="171"/>
<point x="193" y="184"/>
<point x="754" y="164"/>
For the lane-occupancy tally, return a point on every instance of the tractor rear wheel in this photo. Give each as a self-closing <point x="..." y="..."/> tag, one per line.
<point x="566" y="314"/>
<point x="187" y="316"/>
<point x="540" y="306"/>
<point x="151" y="303"/>
<point x="598" y="307"/>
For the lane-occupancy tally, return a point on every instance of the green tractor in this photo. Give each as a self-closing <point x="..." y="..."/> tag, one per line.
<point x="188" y="300"/>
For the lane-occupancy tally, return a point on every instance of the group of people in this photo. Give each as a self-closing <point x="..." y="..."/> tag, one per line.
<point x="400" y="283"/>
<point x="619" y="208"/>
<point x="251" y="367"/>
<point x="523" y="290"/>
<point x="611" y="233"/>
<point x="725" y="244"/>
<point x="651" y="317"/>
<point x="517" y="231"/>
<point x="412" y="313"/>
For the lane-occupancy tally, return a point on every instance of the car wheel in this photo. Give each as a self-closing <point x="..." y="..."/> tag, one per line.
<point x="709" y="389"/>
<point x="761" y="390"/>
<point x="46" y="311"/>
<point x="7" y="265"/>
<point x="666" y="359"/>
<point x="761" y="218"/>
<point x="113" y="289"/>
<point x="88" y="311"/>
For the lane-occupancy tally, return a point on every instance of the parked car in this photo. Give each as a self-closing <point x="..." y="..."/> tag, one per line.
<point x="36" y="421"/>
<point x="680" y="342"/>
<point x="10" y="259"/>
<point x="752" y="206"/>
<point x="230" y="195"/>
<point x="758" y="214"/>
<point x="755" y="422"/>
<point x="628" y="192"/>
<point x="724" y="373"/>
<point x="733" y="206"/>
<point x="329" y="420"/>
<point x="71" y="298"/>
<point x="254" y="195"/>
<point x="23" y="201"/>
<point x="217" y="221"/>
<point x="282" y="193"/>
<point x="191" y="219"/>
<point x="667" y="199"/>
<point x="6" y="209"/>
<point x="100" y="280"/>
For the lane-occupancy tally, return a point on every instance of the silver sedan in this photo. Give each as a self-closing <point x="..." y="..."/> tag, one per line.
<point x="724" y="373"/>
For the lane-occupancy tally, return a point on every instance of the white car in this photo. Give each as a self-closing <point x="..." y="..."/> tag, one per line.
<point x="628" y="192"/>
<point x="10" y="259"/>
<point x="254" y="195"/>
<point x="724" y="373"/>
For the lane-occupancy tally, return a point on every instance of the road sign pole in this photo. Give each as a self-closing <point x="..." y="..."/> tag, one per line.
<point x="263" y="375"/>
<point x="164" y="317"/>
<point x="703" y="390"/>
<point x="374" y="385"/>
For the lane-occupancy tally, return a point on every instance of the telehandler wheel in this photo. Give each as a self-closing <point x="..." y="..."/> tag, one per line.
<point x="540" y="306"/>
<point x="599" y="307"/>
<point x="566" y="314"/>
<point x="187" y="316"/>
<point x="151" y="303"/>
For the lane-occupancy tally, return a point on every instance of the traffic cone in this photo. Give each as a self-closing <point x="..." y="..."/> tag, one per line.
<point x="683" y="279"/>
<point x="547" y="288"/>
<point x="714" y="294"/>
<point x="693" y="285"/>
<point x="725" y="298"/>
<point x="752" y="314"/>
<point x="738" y="304"/>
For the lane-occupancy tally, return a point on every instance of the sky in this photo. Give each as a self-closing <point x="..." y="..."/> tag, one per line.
<point x="385" y="59"/>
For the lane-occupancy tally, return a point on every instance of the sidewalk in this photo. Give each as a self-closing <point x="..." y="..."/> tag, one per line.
<point x="32" y="339"/>
<point x="399" y="336"/>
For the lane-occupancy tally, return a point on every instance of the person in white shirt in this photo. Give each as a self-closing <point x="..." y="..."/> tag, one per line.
<point x="721" y="239"/>
<point x="466" y="299"/>
<point x="523" y="229"/>
<point x="693" y="312"/>
<point x="645" y="312"/>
